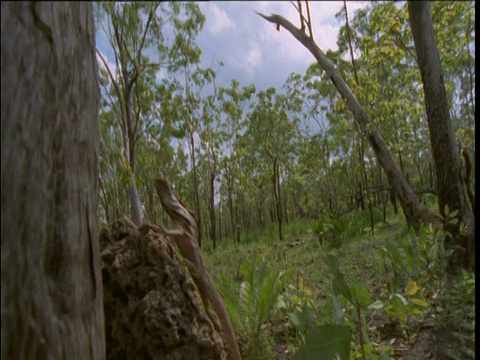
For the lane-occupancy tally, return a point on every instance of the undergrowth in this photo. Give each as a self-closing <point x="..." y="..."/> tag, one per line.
<point x="330" y="280"/>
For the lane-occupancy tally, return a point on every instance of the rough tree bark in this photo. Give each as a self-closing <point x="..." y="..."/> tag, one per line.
<point x="450" y="188"/>
<point x="51" y="287"/>
<point x="414" y="211"/>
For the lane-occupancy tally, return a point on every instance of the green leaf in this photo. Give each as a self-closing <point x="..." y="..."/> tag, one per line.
<point x="399" y="306"/>
<point x="376" y="305"/>
<point x="340" y="287"/>
<point x="333" y="263"/>
<point x="453" y="214"/>
<point x="384" y="357"/>
<point x="302" y="319"/>
<point x="362" y="295"/>
<point x="325" y="342"/>
<point x="402" y="298"/>
<point x="411" y="288"/>
<point x="338" y="314"/>
<point x="420" y="302"/>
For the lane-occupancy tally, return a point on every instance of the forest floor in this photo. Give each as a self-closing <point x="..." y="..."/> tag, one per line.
<point x="441" y="328"/>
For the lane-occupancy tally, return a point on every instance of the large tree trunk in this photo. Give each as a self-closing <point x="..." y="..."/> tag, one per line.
<point x="414" y="211"/>
<point x="450" y="188"/>
<point x="51" y="286"/>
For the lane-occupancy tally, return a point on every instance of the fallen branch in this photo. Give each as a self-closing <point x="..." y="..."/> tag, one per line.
<point x="185" y="235"/>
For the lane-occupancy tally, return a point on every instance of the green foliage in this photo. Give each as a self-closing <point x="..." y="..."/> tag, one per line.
<point x="323" y="230"/>
<point x="234" y="134"/>
<point x="416" y="256"/>
<point x="297" y="302"/>
<point x="326" y="342"/>
<point x="456" y="305"/>
<point x="401" y="306"/>
<point x="253" y="307"/>
<point x="332" y="230"/>
<point x="307" y="301"/>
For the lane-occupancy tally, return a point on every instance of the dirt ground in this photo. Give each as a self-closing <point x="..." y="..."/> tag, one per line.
<point x="430" y="344"/>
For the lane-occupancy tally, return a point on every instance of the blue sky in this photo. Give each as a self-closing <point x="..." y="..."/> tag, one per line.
<point x="250" y="48"/>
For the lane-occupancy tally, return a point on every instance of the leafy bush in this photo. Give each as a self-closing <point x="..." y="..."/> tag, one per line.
<point x="253" y="306"/>
<point x="416" y="256"/>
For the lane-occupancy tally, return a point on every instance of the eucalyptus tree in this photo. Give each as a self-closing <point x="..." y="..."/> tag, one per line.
<point x="52" y="294"/>
<point x="187" y="55"/>
<point x="457" y="57"/>
<point x="272" y="137"/>
<point x="414" y="211"/>
<point x="210" y="142"/>
<point x="127" y="26"/>
<point x="233" y="101"/>
<point x="451" y="191"/>
<point x="112" y="169"/>
<point x="135" y="33"/>
<point x="338" y="139"/>
<point x="458" y="63"/>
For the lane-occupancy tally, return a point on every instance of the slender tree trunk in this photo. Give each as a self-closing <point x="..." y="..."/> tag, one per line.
<point x="450" y="187"/>
<point x="52" y="296"/>
<point x="196" y="191"/>
<point x="285" y="208"/>
<point x="212" y="170"/>
<point x="116" y="204"/>
<point x="350" y="42"/>
<point x="231" y="208"/>
<point x="219" y="217"/>
<point x="365" y="185"/>
<point x="135" y="206"/>
<point x="237" y="225"/>
<point x="276" y="194"/>
<point x="105" y="201"/>
<point x="213" y="227"/>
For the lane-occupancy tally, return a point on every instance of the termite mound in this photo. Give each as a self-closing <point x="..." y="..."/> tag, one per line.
<point x="152" y="308"/>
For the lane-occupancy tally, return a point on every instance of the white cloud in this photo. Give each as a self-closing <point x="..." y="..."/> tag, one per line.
<point x="326" y="37"/>
<point x="254" y="55"/>
<point x="250" y="62"/>
<point x="219" y="21"/>
<point x="325" y="28"/>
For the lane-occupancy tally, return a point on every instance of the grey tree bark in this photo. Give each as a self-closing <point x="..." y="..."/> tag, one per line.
<point x="448" y="169"/>
<point x="52" y="297"/>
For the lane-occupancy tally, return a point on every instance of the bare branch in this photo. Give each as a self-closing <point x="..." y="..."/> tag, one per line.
<point x="309" y="23"/>
<point x="115" y="84"/>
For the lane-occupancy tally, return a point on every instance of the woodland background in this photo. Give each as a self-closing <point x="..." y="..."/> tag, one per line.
<point x="336" y="213"/>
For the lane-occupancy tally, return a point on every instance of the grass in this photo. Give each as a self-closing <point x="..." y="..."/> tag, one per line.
<point x="305" y="284"/>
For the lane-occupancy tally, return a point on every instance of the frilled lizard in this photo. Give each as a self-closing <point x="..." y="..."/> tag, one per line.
<point x="185" y="235"/>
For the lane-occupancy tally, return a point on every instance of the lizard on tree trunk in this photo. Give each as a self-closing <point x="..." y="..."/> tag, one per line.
<point x="186" y="238"/>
